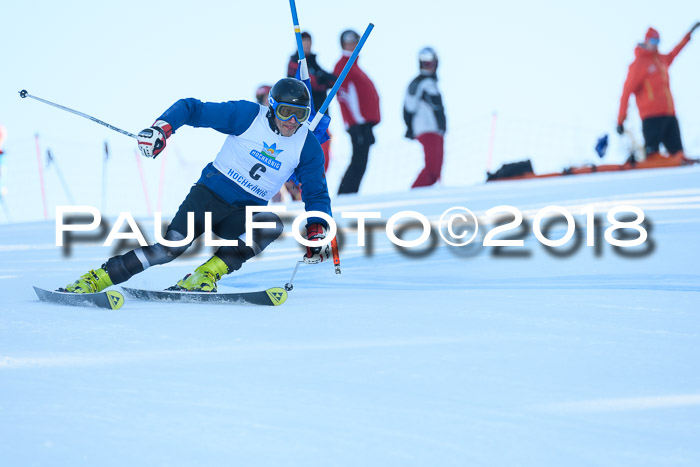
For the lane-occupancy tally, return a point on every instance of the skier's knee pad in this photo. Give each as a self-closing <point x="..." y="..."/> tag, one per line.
<point x="122" y="268"/>
<point x="161" y="254"/>
<point x="235" y="256"/>
<point x="263" y="237"/>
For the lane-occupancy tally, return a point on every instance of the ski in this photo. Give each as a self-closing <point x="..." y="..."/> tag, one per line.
<point x="270" y="297"/>
<point x="110" y="299"/>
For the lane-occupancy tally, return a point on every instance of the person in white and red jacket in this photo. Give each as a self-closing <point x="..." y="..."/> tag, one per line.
<point x="359" y="104"/>
<point x="424" y="115"/>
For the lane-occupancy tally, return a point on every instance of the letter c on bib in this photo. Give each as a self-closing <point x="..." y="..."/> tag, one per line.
<point x="254" y="171"/>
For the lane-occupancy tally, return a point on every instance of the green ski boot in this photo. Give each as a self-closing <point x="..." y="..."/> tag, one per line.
<point x="95" y="280"/>
<point x="204" y="278"/>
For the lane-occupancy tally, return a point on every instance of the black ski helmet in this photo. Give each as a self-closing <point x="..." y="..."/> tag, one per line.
<point x="290" y="91"/>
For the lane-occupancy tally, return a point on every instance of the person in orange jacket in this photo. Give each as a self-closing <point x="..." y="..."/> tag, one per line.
<point x="648" y="80"/>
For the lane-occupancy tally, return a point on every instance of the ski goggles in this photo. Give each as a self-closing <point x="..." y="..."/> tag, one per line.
<point x="285" y="111"/>
<point x="654" y="40"/>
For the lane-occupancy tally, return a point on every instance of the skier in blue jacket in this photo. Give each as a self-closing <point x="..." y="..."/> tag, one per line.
<point x="264" y="148"/>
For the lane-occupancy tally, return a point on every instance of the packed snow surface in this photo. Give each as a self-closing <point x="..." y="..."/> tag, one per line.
<point x="458" y="356"/>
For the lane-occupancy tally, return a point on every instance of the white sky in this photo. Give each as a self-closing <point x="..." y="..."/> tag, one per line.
<point x="553" y="72"/>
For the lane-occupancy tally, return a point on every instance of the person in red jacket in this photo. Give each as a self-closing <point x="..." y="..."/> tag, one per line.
<point x="359" y="104"/>
<point x="648" y="80"/>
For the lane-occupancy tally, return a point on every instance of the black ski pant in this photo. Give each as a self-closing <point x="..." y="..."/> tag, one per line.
<point x="661" y="130"/>
<point x="362" y="138"/>
<point x="228" y="222"/>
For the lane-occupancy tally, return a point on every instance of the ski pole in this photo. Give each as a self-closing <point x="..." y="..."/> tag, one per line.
<point x="341" y="78"/>
<point x="336" y="255"/>
<point x="66" y="188"/>
<point x="23" y="93"/>
<point x="303" y="67"/>
<point x="289" y="286"/>
<point x="336" y="261"/>
<point x="105" y="161"/>
<point x="41" y="176"/>
<point x="492" y="140"/>
<point x="4" y="205"/>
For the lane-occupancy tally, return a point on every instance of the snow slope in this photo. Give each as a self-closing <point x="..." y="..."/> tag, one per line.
<point x="458" y="357"/>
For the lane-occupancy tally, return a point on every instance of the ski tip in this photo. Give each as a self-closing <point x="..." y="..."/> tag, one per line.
<point x="109" y="299"/>
<point x="116" y="299"/>
<point x="277" y="295"/>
